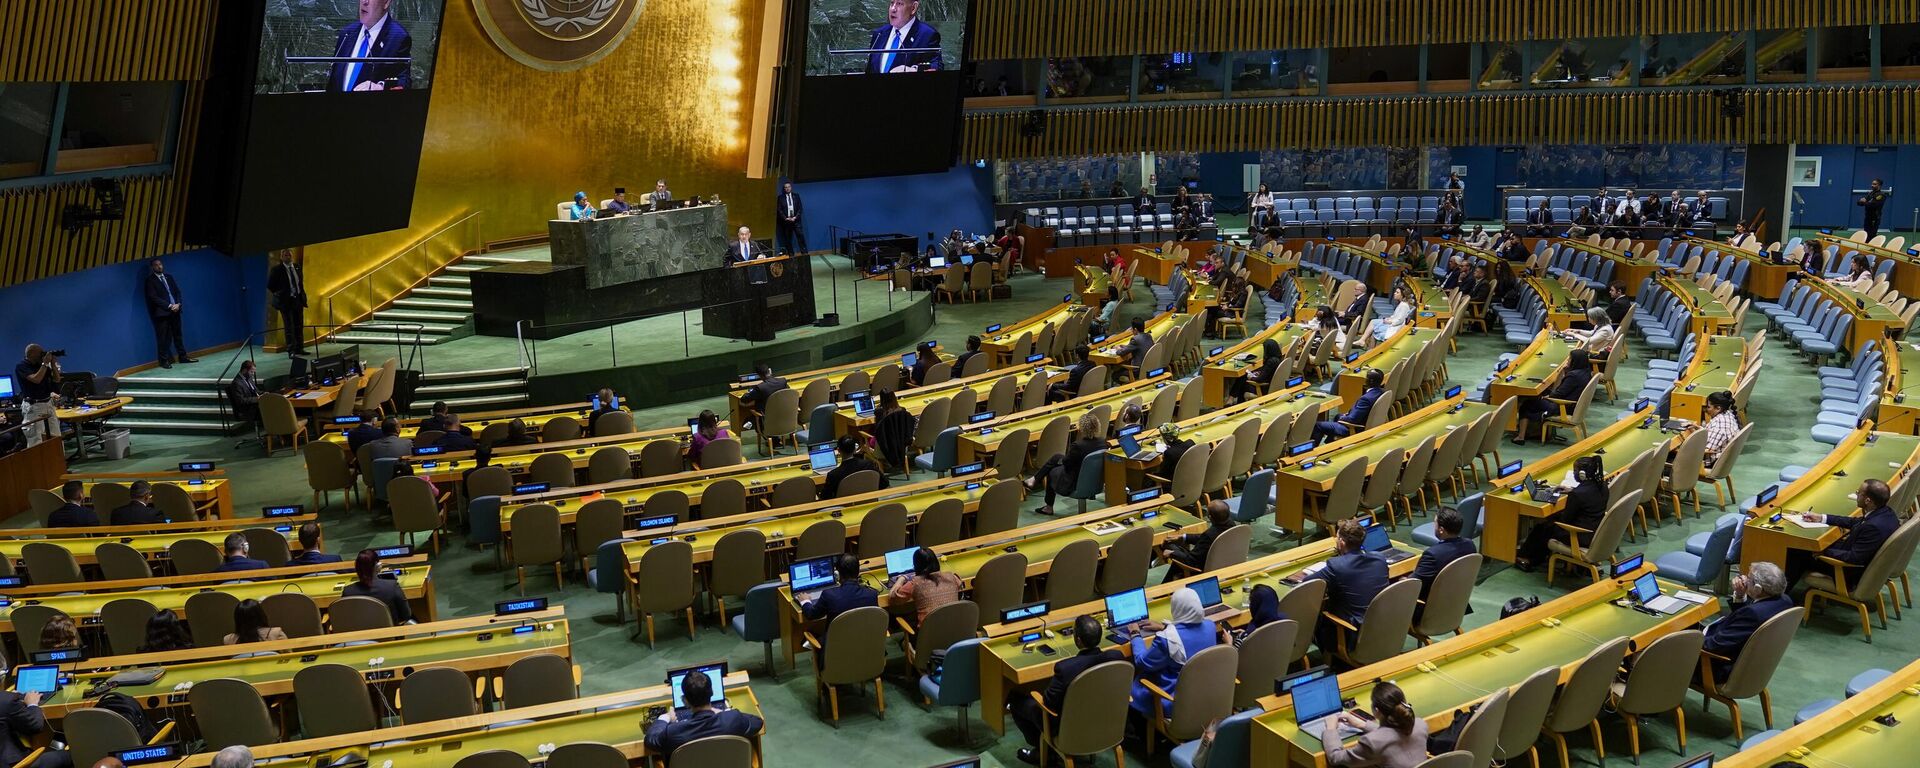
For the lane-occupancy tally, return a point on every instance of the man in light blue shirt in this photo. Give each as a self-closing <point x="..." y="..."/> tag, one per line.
<point x="582" y="210"/>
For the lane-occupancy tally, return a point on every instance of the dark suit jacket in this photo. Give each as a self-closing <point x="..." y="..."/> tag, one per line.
<point x="1864" y="535"/>
<point x="17" y="721"/>
<point x="754" y="249"/>
<point x="136" y="513"/>
<point x="72" y="515"/>
<point x="387" y="591"/>
<point x="1540" y="217"/>
<point x="664" y="738"/>
<point x="1586" y="506"/>
<point x="756" y="398"/>
<point x="1363" y="406"/>
<point x="1170" y="458"/>
<point x="919" y="35"/>
<point x="1570" y="385"/>
<point x="1077" y="453"/>
<point x="280" y="285"/>
<point x="1065" y="670"/>
<point x="839" y="599"/>
<point x="1729" y="635"/>
<point x="1618" y="309"/>
<point x="240" y="564"/>
<point x="961" y="361"/>
<point x="392" y="40"/>
<point x="457" y="441"/>
<point x="1137" y="346"/>
<point x="361" y="435"/>
<point x="1077" y="373"/>
<point x="780" y="207"/>
<point x="157" y="286"/>
<point x="311" y="557"/>
<point x="831" y="487"/>
<point x="1437" y="557"/>
<point x="1198" y="544"/>
<point x="1353" y="580"/>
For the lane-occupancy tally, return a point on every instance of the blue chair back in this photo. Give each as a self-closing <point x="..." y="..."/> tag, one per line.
<point x="1254" y="499"/>
<point x="820" y="423"/>
<point x="946" y="448"/>
<point x="382" y="472"/>
<point x="1232" y="742"/>
<point x="1714" y="559"/>
<point x="960" y="674"/>
<point x="1469" y="509"/>
<point x="763" y="613"/>
<point x="483" y="519"/>
<point x="1092" y="473"/>
<point x="609" y="565"/>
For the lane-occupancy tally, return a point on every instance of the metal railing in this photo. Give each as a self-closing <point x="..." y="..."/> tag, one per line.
<point x="392" y="278"/>
<point x="409" y="352"/>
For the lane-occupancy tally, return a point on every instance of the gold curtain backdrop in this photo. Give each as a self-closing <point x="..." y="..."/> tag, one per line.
<point x="1027" y="29"/>
<point x="1888" y="114"/>
<point x="509" y="142"/>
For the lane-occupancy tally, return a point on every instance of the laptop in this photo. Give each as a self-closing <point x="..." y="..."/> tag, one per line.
<point x="37" y="678"/>
<point x="821" y="457"/>
<point x="974" y="762"/>
<point x="1377" y="541"/>
<point x="1703" y="761"/>
<point x="1538" y="491"/>
<point x="937" y="262"/>
<point x="863" y="406"/>
<point x="909" y="360"/>
<point x="1209" y="591"/>
<point x="900" y="561"/>
<point x="1316" y="700"/>
<point x="716" y="673"/>
<point x="1646" y="590"/>
<point x="1125" y="610"/>
<point x="1130" y="445"/>
<point x="809" y="577"/>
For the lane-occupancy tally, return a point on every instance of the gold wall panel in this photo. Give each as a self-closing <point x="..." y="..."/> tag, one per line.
<point x="1885" y="114"/>
<point x="509" y="142"/>
<point x="1025" y="29"/>
<point x="124" y="40"/>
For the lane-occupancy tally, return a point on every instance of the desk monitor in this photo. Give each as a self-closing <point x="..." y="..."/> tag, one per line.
<point x="937" y="262"/>
<point x="7" y="392"/>
<point x="197" y="466"/>
<point x="297" y="371"/>
<point x="527" y="488"/>
<point x="1451" y="393"/>
<point x="1300" y="448"/>
<point x="12" y="582"/>
<point x="1131" y="429"/>
<point x="348" y="421"/>
<point x="1127" y="607"/>
<point x="808" y="575"/>
<point x="329" y="368"/>
<point x="1507" y="469"/>
<point x="657" y="522"/>
<point x="821" y="457"/>
<point x="429" y="450"/>
<point x="523" y="605"/>
<point x="716" y="673"/>
<point x="1147" y="494"/>
<point x="36" y="678"/>
<point x="900" y="561"/>
<point x="1628" y="565"/>
<point x="1316" y="698"/>
<point x="980" y="417"/>
<point x="1767" y="495"/>
<point x="395" y="551"/>
<point x="963" y="470"/>
<point x="161" y="753"/>
<point x="995" y="328"/>
<point x="1032" y="610"/>
<point x="1208" y="589"/>
<point x="1288" y="683"/>
<point x="58" y="655"/>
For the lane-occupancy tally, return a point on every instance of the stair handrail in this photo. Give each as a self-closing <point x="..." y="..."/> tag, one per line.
<point x="364" y="280"/>
<point x="408" y="352"/>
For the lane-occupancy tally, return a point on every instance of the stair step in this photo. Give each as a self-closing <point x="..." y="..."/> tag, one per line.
<point x="477" y="386"/>
<point x="376" y="338"/>
<point x="451" y="281"/>
<point x="463" y="402"/>
<point x="141" y="409"/>
<point x="171" y="381"/>
<point x="493" y="259"/>
<point x="461" y="269"/>
<point x="443" y="292"/>
<point x="405" y="328"/>
<point x="138" y="426"/>
<point x="447" y="304"/>
<point x="403" y="314"/>
<point x="138" y="395"/>
<point x="520" y="373"/>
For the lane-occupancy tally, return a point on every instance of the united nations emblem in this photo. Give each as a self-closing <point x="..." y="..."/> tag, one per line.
<point x="778" y="268"/>
<point x="558" y="35"/>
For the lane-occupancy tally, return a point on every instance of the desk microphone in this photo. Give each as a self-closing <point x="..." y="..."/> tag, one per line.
<point x="1901" y="396"/>
<point x="1695" y="383"/>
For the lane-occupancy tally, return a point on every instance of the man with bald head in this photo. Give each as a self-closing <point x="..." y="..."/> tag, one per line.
<point x="235" y="756"/>
<point x="743" y="248"/>
<point x="109" y="762"/>
<point x="373" y="35"/>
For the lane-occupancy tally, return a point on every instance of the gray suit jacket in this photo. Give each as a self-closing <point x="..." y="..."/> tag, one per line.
<point x="1378" y="746"/>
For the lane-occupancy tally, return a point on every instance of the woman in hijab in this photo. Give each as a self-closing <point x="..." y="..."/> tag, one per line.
<point x="1158" y="657"/>
<point x="1263" y="605"/>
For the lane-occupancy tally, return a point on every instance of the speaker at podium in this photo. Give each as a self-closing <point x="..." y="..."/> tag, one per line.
<point x="757" y="298"/>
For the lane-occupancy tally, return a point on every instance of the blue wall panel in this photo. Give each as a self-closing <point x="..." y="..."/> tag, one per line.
<point x="100" y="316"/>
<point x="961" y="198"/>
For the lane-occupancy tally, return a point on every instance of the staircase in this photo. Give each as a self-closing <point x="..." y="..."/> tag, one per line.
<point x="170" y="405"/>
<point x="470" y="391"/>
<point x="443" y="308"/>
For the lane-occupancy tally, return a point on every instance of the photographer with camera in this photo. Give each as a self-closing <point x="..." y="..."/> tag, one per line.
<point x="38" y="379"/>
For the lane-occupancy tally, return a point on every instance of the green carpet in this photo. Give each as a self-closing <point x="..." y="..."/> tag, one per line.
<point x="1826" y="653"/>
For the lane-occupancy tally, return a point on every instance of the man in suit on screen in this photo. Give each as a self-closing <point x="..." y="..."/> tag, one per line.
<point x="904" y="29"/>
<point x="374" y="34"/>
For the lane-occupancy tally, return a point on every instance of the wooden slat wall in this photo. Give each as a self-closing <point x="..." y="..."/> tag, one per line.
<point x="118" y="41"/>
<point x="1888" y="114"/>
<point x="1024" y="29"/>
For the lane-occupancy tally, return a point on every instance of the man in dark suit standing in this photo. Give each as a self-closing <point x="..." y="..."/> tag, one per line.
<point x="163" y="307"/>
<point x="1873" y="202"/>
<point x="674" y="730"/>
<point x="792" y="232"/>
<point x="1026" y="712"/>
<point x="904" y="29"/>
<point x="1864" y="534"/>
<point x="289" y="289"/>
<point x="20" y="721"/>
<point x="376" y="35"/>
<point x="1354" y="577"/>
<point x="1759" y="594"/>
<point x="1451" y="546"/>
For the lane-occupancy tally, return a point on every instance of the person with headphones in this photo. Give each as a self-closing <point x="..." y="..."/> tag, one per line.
<point x="1586" y="505"/>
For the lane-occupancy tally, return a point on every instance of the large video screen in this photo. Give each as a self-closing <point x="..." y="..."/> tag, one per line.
<point x="849" y="121"/>
<point x="347" y="46"/>
<point x="866" y="37"/>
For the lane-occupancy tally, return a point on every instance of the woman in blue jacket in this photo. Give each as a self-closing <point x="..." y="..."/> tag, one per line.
<point x="1158" y="658"/>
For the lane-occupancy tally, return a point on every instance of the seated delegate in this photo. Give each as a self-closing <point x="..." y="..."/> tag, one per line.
<point x="1162" y="649"/>
<point x="1354" y="578"/>
<point x="1027" y="715"/>
<point x="1586" y="506"/>
<point x="1328" y="431"/>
